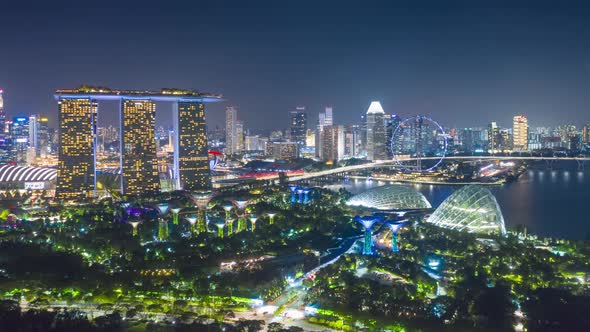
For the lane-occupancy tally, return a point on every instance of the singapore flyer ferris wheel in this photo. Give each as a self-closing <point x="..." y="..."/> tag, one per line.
<point x="419" y="144"/>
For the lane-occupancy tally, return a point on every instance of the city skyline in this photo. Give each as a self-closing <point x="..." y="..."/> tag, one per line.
<point x="439" y="61"/>
<point x="292" y="166"/>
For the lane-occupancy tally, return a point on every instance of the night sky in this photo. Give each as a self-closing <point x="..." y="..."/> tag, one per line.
<point x="462" y="64"/>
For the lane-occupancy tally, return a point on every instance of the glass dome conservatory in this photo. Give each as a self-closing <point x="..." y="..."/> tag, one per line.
<point x="390" y="197"/>
<point x="472" y="209"/>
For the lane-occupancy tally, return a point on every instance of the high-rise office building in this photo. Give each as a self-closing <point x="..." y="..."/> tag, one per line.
<point x="33" y="131"/>
<point x="38" y="131"/>
<point x="2" y="114"/>
<point x="43" y="142"/>
<point x="283" y="150"/>
<point x="325" y="118"/>
<point x="520" y="133"/>
<point x="376" y="139"/>
<point x="328" y="116"/>
<point x="193" y="154"/>
<point x="505" y="140"/>
<point x="470" y="140"/>
<point x="333" y="143"/>
<point x="232" y="126"/>
<point x="139" y="164"/>
<point x="565" y="132"/>
<point x="239" y="136"/>
<point x="5" y="142"/>
<point x="494" y="137"/>
<point x="298" y="125"/>
<point x="586" y="134"/>
<point x="392" y="121"/>
<point x="77" y="132"/>
<point x="19" y="133"/>
<point x="310" y="138"/>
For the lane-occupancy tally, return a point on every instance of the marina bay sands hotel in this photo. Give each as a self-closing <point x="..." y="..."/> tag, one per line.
<point x="78" y="111"/>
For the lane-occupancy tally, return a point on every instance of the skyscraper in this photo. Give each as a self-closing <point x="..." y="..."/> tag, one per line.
<point x="2" y="114"/>
<point x="470" y="140"/>
<point x="43" y="146"/>
<point x="239" y="136"/>
<point x="19" y="133"/>
<point x="333" y="143"/>
<point x="392" y="121"/>
<point x="586" y="134"/>
<point x="328" y="116"/>
<point x="376" y="139"/>
<point x="77" y="111"/>
<point x="139" y="164"/>
<point x="298" y="125"/>
<point x="325" y="118"/>
<point x="520" y="133"/>
<point x="232" y="144"/>
<point x="494" y="137"/>
<point x="193" y="160"/>
<point x="77" y="132"/>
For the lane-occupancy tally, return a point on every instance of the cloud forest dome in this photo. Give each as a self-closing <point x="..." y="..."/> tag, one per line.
<point x="472" y="209"/>
<point x="390" y="197"/>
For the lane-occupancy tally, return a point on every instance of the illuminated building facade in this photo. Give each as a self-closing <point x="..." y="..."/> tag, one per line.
<point x="471" y="209"/>
<point x="392" y="121"/>
<point x="77" y="120"/>
<point x="283" y="150"/>
<point x="19" y="133"/>
<point x="233" y="130"/>
<point x="494" y="137"/>
<point x="77" y="133"/>
<point x="43" y="142"/>
<point x="139" y="164"/>
<point x="193" y="159"/>
<point x="390" y="197"/>
<point x="376" y="139"/>
<point x="332" y="143"/>
<point x="520" y="133"/>
<point x="2" y="113"/>
<point x="297" y="125"/>
<point x="586" y="134"/>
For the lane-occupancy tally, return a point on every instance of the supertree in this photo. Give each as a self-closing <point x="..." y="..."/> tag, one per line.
<point x="162" y="222"/>
<point x="220" y="224"/>
<point x="201" y="199"/>
<point x="271" y="217"/>
<point x="300" y="195"/>
<point x="368" y="222"/>
<point x="293" y="192"/>
<point x="306" y="192"/>
<point x="253" y="219"/>
<point x="175" y="212"/>
<point x="394" y="234"/>
<point x="241" y="205"/>
<point x="228" y="219"/>
<point x="134" y="223"/>
<point x="192" y="220"/>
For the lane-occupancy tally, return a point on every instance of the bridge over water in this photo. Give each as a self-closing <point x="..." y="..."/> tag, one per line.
<point x="393" y="162"/>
